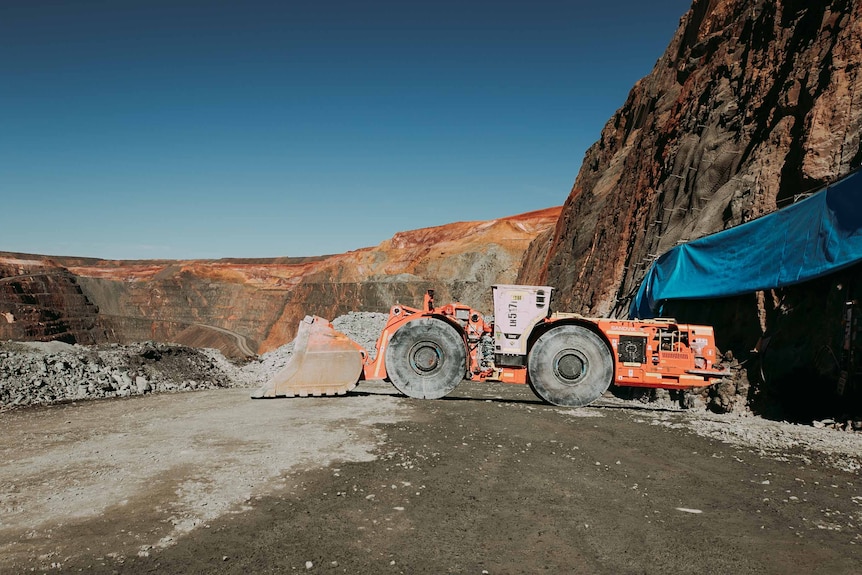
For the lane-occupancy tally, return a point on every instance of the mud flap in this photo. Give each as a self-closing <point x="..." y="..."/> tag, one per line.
<point x="324" y="362"/>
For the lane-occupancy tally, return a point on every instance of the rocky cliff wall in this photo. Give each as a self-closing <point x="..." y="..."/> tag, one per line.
<point x="40" y="300"/>
<point x="752" y="105"/>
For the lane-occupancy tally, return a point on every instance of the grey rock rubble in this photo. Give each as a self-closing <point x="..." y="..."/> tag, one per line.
<point x="35" y="373"/>
<point x="362" y="327"/>
<point x="40" y="373"/>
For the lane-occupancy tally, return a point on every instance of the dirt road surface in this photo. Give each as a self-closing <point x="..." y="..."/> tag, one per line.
<point x="486" y="481"/>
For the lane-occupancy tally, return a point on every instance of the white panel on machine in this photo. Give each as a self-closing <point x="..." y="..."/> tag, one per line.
<point x="516" y="310"/>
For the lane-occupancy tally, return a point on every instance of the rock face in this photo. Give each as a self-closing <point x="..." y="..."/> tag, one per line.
<point x="753" y="104"/>
<point x="244" y="307"/>
<point x="41" y="300"/>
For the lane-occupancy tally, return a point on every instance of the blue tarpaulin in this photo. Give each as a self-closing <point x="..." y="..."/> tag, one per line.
<point x="811" y="238"/>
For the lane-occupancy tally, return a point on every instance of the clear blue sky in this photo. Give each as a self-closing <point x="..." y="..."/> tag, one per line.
<point x="205" y="129"/>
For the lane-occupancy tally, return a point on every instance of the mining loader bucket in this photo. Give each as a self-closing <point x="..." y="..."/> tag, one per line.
<point x="324" y="362"/>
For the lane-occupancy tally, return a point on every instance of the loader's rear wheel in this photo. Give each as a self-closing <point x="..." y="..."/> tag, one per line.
<point x="570" y="365"/>
<point x="426" y="358"/>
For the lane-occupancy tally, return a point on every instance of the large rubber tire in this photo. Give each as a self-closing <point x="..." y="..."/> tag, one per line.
<point x="426" y="358"/>
<point x="570" y="366"/>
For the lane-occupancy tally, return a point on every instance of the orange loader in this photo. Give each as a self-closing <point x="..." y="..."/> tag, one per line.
<point x="567" y="359"/>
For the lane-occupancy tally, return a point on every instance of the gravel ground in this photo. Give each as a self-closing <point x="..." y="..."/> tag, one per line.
<point x="489" y="479"/>
<point x="778" y="440"/>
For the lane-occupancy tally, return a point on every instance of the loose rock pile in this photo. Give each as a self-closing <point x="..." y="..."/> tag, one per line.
<point x="40" y="373"/>
<point x="362" y="327"/>
<point x="35" y="373"/>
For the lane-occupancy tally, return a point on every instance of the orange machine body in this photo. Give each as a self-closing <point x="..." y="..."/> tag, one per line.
<point x="656" y="353"/>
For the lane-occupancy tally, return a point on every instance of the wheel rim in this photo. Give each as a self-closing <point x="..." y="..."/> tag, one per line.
<point x="426" y="357"/>
<point x="570" y="366"/>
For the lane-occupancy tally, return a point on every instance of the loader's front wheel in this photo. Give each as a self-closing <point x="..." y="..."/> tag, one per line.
<point x="426" y="358"/>
<point x="570" y="365"/>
